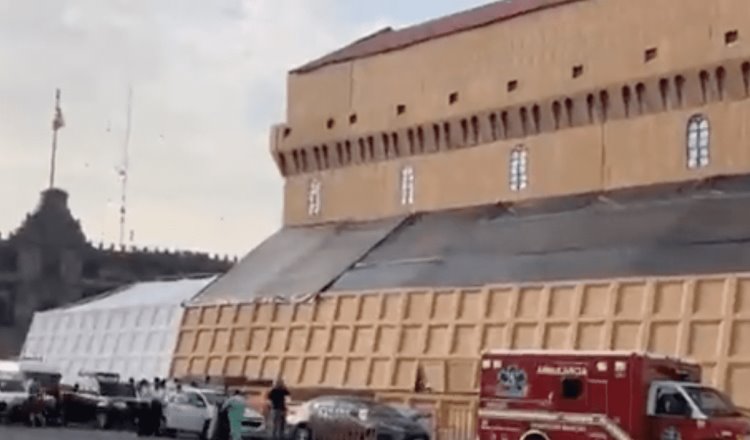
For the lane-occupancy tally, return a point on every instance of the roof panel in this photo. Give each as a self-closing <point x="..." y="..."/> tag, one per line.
<point x="172" y="292"/>
<point x="299" y="261"/>
<point x="698" y="233"/>
<point x="664" y="230"/>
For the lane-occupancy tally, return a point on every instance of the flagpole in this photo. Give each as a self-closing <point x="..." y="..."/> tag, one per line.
<point x="52" y="160"/>
<point x="55" y="127"/>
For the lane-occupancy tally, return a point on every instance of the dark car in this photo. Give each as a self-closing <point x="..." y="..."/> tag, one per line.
<point x="326" y="416"/>
<point x="101" y="398"/>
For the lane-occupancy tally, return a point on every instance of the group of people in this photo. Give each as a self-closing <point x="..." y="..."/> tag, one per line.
<point x="229" y="426"/>
<point x="277" y="397"/>
<point x="151" y="411"/>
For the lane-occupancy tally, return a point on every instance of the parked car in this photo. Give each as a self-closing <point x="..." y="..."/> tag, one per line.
<point x="13" y="397"/>
<point x="103" y="399"/>
<point x="196" y="411"/>
<point x="333" y="413"/>
<point x="44" y="376"/>
<point x="422" y="417"/>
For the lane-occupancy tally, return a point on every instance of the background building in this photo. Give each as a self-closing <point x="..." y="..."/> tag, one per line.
<point x="48" y="262"/>
<point x="567" y="174"/>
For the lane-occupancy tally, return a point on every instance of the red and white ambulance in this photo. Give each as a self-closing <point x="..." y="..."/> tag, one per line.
<point x="573" y="395"/>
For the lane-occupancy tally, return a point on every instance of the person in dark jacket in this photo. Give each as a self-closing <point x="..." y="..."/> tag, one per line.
<point x="277" y="398"/>
<point x="222" y="423"/>
<point x="145" y="425"/>
<point x="157" y="406"/>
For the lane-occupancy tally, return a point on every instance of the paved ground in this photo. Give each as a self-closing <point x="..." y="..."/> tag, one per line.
<point x="19" y="433"/>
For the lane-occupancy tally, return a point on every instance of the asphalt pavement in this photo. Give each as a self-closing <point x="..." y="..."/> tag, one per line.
<point x="20" y="433"/>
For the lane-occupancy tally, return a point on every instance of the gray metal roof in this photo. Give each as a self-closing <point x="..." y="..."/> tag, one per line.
<point x="701" y="228"/>
<point x="700" y="233"/>
<point x="298" y="261"/>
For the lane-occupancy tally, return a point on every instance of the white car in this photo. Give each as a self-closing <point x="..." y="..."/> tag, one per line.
<point x="13" y="396"/>
<point x="195" y="411"/>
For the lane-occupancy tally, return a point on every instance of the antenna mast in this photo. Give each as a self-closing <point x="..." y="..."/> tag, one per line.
<point x="123" y="171"/>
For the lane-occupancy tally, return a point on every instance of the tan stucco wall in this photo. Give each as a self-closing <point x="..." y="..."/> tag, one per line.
<point x="378" y="340"/>
<point x="607" y="37"/>
<point x="623" y="153"/>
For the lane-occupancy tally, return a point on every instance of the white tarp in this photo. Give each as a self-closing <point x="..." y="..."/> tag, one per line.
<point x="131" y="331"/>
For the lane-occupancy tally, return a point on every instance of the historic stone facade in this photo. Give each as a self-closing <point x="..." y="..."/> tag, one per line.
<point x="47" y="262"/>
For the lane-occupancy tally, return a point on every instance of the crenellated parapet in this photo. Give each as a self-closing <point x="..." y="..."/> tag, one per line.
<point x="516" y="101"/>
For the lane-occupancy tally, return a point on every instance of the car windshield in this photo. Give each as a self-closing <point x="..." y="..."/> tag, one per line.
<point x="116" y="389"/>
<point x="711" y="402"/>
<point x="11" y="386"/>
<point x="47" y="381"/>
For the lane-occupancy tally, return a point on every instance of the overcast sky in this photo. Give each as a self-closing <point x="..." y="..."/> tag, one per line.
<point x="208" y="80"/>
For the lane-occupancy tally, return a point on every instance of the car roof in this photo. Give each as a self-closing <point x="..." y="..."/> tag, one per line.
<point x="345" y="398"/>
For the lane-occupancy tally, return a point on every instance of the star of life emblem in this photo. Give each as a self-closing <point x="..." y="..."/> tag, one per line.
<point x="512" y="382"/>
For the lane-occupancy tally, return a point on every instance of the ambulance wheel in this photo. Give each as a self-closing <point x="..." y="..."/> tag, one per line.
<point x="535" y="435"/>
<point x="302" y="433"/>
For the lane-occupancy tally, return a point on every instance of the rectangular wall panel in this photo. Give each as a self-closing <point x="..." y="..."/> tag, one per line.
<point x="386" y="340"/>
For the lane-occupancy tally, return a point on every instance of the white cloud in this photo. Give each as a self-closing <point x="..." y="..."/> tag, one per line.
<point x="208" y="79"/>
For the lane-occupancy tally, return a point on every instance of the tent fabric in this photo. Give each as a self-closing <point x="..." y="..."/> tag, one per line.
<point x="148" y="293"/>
<point x="131" y="331"/>
<point x="298" y="262"/>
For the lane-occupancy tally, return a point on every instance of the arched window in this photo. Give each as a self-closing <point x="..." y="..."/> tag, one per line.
<point x="519" y="177"/>
<point x="407" y="186"/>
<point x="313" y="198"/>
<point x="698" y="142"/>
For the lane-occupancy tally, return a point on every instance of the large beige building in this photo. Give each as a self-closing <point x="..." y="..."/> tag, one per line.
<point x="531" y="173"/>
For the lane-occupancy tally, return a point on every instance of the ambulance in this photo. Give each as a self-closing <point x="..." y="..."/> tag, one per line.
<point x="574" y="395"/>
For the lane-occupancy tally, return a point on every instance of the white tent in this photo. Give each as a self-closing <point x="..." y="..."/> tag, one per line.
<point x="131" y="331"/>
